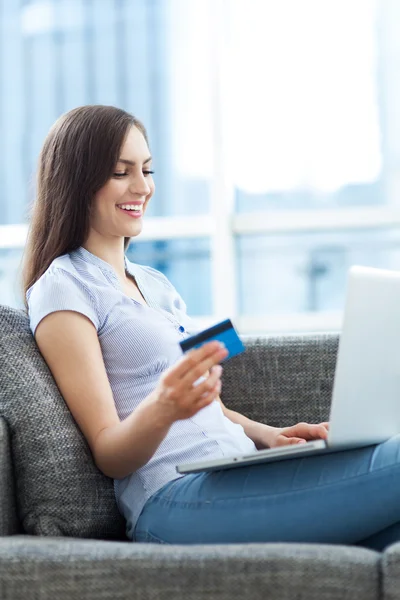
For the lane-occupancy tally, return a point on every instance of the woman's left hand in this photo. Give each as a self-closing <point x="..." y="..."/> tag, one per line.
<point x="296" y="434"/>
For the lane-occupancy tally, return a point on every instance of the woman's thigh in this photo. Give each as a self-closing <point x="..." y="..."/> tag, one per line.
<point x="343" y="497"/>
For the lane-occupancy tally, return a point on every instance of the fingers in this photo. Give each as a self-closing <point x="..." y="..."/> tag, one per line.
<point x="193" y="382"/>
<point x="317" y="431"/>
<point x="196" y="362"/>
<point x="211" y="384"/>
<point x="289" y="441"/>
<point x="208" y="397"/>
<point x="204" y="393"/>
<point x="307" y="431"/>
<point x="183" y="403"/>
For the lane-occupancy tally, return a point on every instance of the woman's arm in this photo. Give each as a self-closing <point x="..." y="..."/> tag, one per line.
<point x="261" y="434"/>
<point x="266" y="436"/>
<point x="69" y="344"/>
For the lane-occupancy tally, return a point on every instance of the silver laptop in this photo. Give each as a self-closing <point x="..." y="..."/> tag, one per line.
<point x="365" y="407"/>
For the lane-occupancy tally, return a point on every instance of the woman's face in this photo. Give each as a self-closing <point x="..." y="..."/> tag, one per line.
<point x="130" y="187"/>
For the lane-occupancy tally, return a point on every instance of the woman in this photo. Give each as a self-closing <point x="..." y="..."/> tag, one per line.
<point x="109" y="332"/>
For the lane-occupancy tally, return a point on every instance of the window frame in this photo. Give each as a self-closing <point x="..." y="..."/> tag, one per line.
<point x="222" y="226"/>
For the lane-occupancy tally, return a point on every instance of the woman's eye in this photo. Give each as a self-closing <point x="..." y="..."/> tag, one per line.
<point x="119" y="174"/>
<point x="146" y="173"/>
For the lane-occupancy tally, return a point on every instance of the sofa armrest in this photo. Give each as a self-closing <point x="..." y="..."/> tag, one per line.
<point x="9" y="523"/>
<point x="69" y="569"/>
<point x="281" y="380"/>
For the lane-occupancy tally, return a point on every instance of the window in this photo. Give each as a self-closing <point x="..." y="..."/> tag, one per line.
<point x="10" y="283"/>
<point x="186" y="263"/>
<point x="313" y="268"/>
<point x="302" y="97"/>
<point x="275" y="140"/>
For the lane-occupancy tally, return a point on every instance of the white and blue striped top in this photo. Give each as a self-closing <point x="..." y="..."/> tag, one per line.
<point x="138" y="343"/>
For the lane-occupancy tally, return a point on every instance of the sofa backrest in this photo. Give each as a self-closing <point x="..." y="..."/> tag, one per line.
<point x="9" y="523"/>
<point x="282" y="379"/>
<point x="59" y="489"/>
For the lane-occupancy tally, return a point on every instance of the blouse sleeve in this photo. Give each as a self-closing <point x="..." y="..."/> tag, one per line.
<point x="57" y="290"/>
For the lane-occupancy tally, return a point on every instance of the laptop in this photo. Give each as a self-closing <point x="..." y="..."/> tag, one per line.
<point x="365" y="406"/>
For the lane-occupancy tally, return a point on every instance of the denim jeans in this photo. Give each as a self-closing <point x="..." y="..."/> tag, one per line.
<point x="347" y="497"/>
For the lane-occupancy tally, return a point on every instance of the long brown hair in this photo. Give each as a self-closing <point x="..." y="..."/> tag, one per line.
<point x="78" y="157"/>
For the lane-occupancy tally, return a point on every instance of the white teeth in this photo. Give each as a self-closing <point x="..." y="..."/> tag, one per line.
<point x="130" y="207"/>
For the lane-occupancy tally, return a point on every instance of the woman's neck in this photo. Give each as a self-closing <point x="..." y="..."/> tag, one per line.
<point x="111" y="252"/>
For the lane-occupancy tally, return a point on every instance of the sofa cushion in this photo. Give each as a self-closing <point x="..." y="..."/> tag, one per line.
<point x="391" y="572"/>
<point x="93" y="570"/>
<point x="9" y="524"/>
<point x="60" y="490"/>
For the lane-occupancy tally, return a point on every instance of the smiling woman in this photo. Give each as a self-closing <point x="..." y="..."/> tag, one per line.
<point x="125" y="194"/>
<point x="134" y="208"/>
<point x="76" y="201"/>
<point x="110" y="332"/>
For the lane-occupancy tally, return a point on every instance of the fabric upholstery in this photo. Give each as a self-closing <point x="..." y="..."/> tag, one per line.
<point x="9" y="524"/>
<point x="60" y="491"/>
<point x="94" y="570"/>
<point x="282" y="380"/>
<point x="391" y="573"/>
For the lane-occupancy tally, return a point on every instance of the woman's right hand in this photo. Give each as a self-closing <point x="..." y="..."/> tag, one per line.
<point x="175" y="394"/>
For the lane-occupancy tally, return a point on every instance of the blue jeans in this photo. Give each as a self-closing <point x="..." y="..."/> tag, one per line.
<point x="348" y="497"/>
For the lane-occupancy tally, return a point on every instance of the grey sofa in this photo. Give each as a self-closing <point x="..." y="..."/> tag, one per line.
<point x="61" y="536"/>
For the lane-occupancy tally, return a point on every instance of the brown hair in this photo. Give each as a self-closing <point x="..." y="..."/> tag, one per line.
<point x="78" y="157"/>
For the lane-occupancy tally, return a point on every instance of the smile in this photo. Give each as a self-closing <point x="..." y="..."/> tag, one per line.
<point x="135" y="211"/>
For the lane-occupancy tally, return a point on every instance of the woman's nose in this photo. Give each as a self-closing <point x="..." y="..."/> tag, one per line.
<point x="140" y="187"/>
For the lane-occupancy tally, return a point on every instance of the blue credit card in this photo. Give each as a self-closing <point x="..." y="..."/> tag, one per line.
<point x="223" y="332"/>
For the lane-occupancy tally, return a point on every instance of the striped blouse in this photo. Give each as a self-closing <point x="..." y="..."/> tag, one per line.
<point x="138" y="343"/>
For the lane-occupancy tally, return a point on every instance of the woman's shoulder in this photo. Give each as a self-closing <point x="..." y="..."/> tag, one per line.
<point x="61" y="274"/>
<point x="62" y="264"/>
<point x="61" y="287"/>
